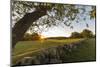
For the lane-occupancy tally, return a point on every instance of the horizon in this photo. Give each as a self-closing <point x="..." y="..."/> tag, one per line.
<point x="44" y="36"/>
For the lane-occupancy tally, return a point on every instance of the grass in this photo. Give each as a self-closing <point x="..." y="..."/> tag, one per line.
<point x="85" y="52"/>
<point x="29" y="48"/>
<point x="26" y="46"/>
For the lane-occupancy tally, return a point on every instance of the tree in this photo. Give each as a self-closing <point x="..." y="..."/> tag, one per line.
<point x="36" y="36"/>
<point x="27" y="37"/>
<point x="87" y="33"/>
<point x="31" y="37"/>
<point x="28" y="15"/>
<point x="76" y="35"/>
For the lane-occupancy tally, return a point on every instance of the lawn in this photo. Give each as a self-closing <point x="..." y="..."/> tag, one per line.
<point x="30" y="48"/>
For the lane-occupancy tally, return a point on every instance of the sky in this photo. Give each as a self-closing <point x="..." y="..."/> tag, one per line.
<point x="66" y="31"/>
<point x="77" y="27"/>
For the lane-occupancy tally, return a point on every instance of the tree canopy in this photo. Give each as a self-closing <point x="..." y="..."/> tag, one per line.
<point x="55" y="13"/>
<point x="86" y="33"/>
<point x="76" y="35"/>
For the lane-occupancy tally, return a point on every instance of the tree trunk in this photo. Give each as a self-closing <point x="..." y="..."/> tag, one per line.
<point x="23" y="25"/>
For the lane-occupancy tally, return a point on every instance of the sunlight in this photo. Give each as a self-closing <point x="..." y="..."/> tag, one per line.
<point x="42" y="37"/>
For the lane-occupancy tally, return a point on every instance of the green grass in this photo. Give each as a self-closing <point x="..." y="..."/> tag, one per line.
<point x="26" y="46"/>
<point x="85" y="52"/>
<point x="29" y="48"/>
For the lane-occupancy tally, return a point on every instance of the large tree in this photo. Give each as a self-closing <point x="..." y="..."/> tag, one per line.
<point x="87" y="33"/>
<point x="76" y="35"/>
<point x="37" y="16"/>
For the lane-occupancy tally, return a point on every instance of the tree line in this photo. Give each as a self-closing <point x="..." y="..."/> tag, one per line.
<point x="35" y="36"/>
<point x="84" y="34"/>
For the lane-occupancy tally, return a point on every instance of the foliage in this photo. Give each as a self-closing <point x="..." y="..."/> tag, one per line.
<point x="56" y="13"/>
<point x="75" y="35"/>
<point x="31" y="37"/>
<point x="27" y="37"/>
<point x="93" y="13"/>
<point x="87" y="33"/>
<point x="36" y="36"/>
<point x="84" y="34"/>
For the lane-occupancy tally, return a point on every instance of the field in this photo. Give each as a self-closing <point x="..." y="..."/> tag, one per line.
<point x="85" y="52"/>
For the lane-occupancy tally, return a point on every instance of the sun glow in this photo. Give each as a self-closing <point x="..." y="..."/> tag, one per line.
<point x="42" y="37"/>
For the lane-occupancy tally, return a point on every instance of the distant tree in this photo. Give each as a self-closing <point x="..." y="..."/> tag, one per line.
<point x="31" y="37"/>
<point x="36" y="36"/>
<point x="87" y="33"/>
<point x="75" y="35"/>
<point x="84" y="34"/>
<point x="27" y="37"/>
